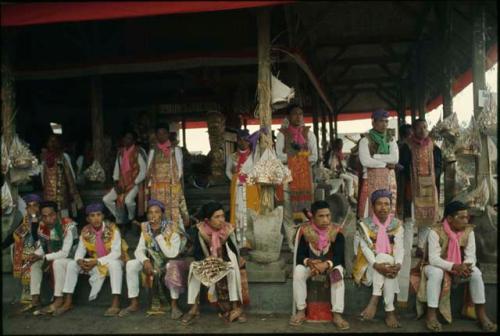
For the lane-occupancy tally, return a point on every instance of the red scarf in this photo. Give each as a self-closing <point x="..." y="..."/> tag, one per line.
<point x="419" y="142"/>
<point x="297" y="135"/>
<point x="242" y="157"/>
<point x="340" y="155"/>
<point x="322" y="236"/>
<point x="454" y="255"/>
<point x="125" y="162"/>
<point x="50" y="157"/>
<point x="165" y="148"/>
<point x="216" y="236"/>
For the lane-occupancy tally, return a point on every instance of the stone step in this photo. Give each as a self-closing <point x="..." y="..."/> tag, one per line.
<point x="265" y="298"/>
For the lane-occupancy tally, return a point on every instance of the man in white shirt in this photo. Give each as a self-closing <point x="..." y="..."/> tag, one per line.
<point x="379" y="249"/>
<point x="159" y="243"/>
<point x="378" y="154"/>
<point x="452" y="254"/>
<point x="297" y="148"/>
<point x="129" y="172"/>
<point x="101" y="241"/>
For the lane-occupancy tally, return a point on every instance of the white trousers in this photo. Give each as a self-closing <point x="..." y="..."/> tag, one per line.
<point x="110" y="200"/>
<point x="404" y="272"/>
<point x="59" y="268"/>
<point x="381" y="284"/>
<point x="194" y="286"/>
<point x="337" y="290"/>
<point x="115" y="275"/>
<point x="435" y="279"/>
<point x="349" y="183"/>
<point x="134" y="268"/>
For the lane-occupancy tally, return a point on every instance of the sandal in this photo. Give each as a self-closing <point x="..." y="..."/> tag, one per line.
<point x="342" y="324"/>
<point x="297" y="321"/>
<point x="488" y="326"/>
<point x="433" y="325"/>
<point x="50" y="309"/>
<point x="234" y="314"/>
<point x="189" y="318"/>
<point x="112" y="311"/>
<point x="176" y="314"/>
<point x="127" y="311"/>
<point x="61" y="310"/>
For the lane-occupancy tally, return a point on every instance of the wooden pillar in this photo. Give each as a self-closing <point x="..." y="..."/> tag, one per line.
<point x="183" y="123"/>
<point x="330" y="126"/>
<point x="96" y="118"/>
<point x="315" y="124"/>
<point x="324" y="140"/>
<point x="413" y="102"/>
<point x="335" y="119"/>
<point x="420" y="82"/>
<point x="447" y="93"/>
<point x="264" y="96"/>
<point x="483" y="168"/>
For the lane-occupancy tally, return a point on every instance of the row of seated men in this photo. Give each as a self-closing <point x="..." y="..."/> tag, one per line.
<point x="162" y="259"/>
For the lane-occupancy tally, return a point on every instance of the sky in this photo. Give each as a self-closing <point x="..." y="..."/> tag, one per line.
<point x="197" y="139"/>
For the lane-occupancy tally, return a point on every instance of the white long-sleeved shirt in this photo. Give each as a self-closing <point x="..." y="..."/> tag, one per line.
<point x="68" y="160"/>
<point x="398" y="248"/>
<point x="311" y="144"/>
<point x="114" y="254"/>
<point x="231" y="163"/>
<point x="178" y="158"/>
<point x="435" y="252"/>
<point x="378" y="160"/>
<point x="142" y="168"/>
<point x="63" y="252"/>
<point x="169" y="251"/>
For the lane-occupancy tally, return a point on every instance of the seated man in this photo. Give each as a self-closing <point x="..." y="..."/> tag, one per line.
<point x="25" y="239"/>
<point x="215" y="246"/>
<point x="57" y="238"/>
<point x="101" y="241"/>
<point x="337" y="165"/>
<point x="452" y="253"/>
<point x="320" y="250"/>
<point x="379" y="249"/>
<point x="159" y="244"/>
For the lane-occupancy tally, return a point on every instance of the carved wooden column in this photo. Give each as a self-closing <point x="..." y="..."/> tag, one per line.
<point x="97" y="121"/>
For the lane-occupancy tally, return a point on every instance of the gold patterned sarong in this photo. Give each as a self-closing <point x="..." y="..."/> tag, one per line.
<point x="377" y="178"/>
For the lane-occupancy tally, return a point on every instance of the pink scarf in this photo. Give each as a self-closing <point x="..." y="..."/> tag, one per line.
<point x="297" y="135"/>
<point x="382" y="245"/>
<point x="125" y="162"/>
<point x="419" y="142"/>
<point x="215" y="236"/>
<point x="165" y="148"/>
<point x="99" y="243"/>
<point x="322" y="236"/>
<point x="454" y="254"/>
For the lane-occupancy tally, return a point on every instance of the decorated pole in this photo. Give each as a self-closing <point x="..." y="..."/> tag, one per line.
<point x="264" y="97"/>
<point x="483" y="168"/>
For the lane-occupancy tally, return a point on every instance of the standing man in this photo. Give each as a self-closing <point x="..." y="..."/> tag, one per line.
<point x="319" y="250"/>
<point x="160" y="244"/>
<point x="58" y="178"/>
<point x="378" y="245"/>
<point x="129" y="172"/>
<point x="164" y="177"/>
<point x="378" y="154"/>
<point x="100" y="240"/>
<point x="243" y="195"/>
<point x="421" y="163"/>
<point x="296" y="147"/>
<point x="452" y="258"/>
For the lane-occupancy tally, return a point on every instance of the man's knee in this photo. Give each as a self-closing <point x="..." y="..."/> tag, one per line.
<point x="109" y="197"/>
<point x="115" y="266"/>
<point x="300" y="272"/>
<point x="435" y="273"/>
<point x="132" y="265"/>
<point x="476" y="273"/>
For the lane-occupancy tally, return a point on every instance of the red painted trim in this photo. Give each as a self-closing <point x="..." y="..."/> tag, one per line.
<point x="42" y="13"/>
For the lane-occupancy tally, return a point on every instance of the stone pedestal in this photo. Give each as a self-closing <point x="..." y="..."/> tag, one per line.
<point x="272" y="272"/>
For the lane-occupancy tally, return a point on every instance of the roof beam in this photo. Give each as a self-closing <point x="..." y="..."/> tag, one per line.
<point x="364" y="41"/>
<point x="358" y="81"/>
<point x="333" y="60"/>
<point x="347" y="101"/>
<point x="368" y="60"/>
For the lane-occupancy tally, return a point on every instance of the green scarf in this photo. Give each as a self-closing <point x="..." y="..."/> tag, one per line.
<point x="52" y="245"/>
<point x="381" y="140"/>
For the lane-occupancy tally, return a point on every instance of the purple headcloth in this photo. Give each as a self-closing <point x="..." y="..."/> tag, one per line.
<point x="254" y="137"/>
<point x="242" y="133"/>
<point x="380" y="114"/>
<point x="32" y="198"/>
<point x="380" y="193"/>
<point x="94" y="207"/>
<point x="153" y="202"/>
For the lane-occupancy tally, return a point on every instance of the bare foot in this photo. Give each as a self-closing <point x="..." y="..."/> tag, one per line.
<point x="433" y="324"/>
<point x="61" y="310"/>
<point x="487" y="325"/>
<point x="391" y="321"/>
<point x="369" y="312"/>
<point x="129" y="310"/>
<point x="298" y="318"/>
<point x="339" y="322"/>
<point x="176" y="313"/>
